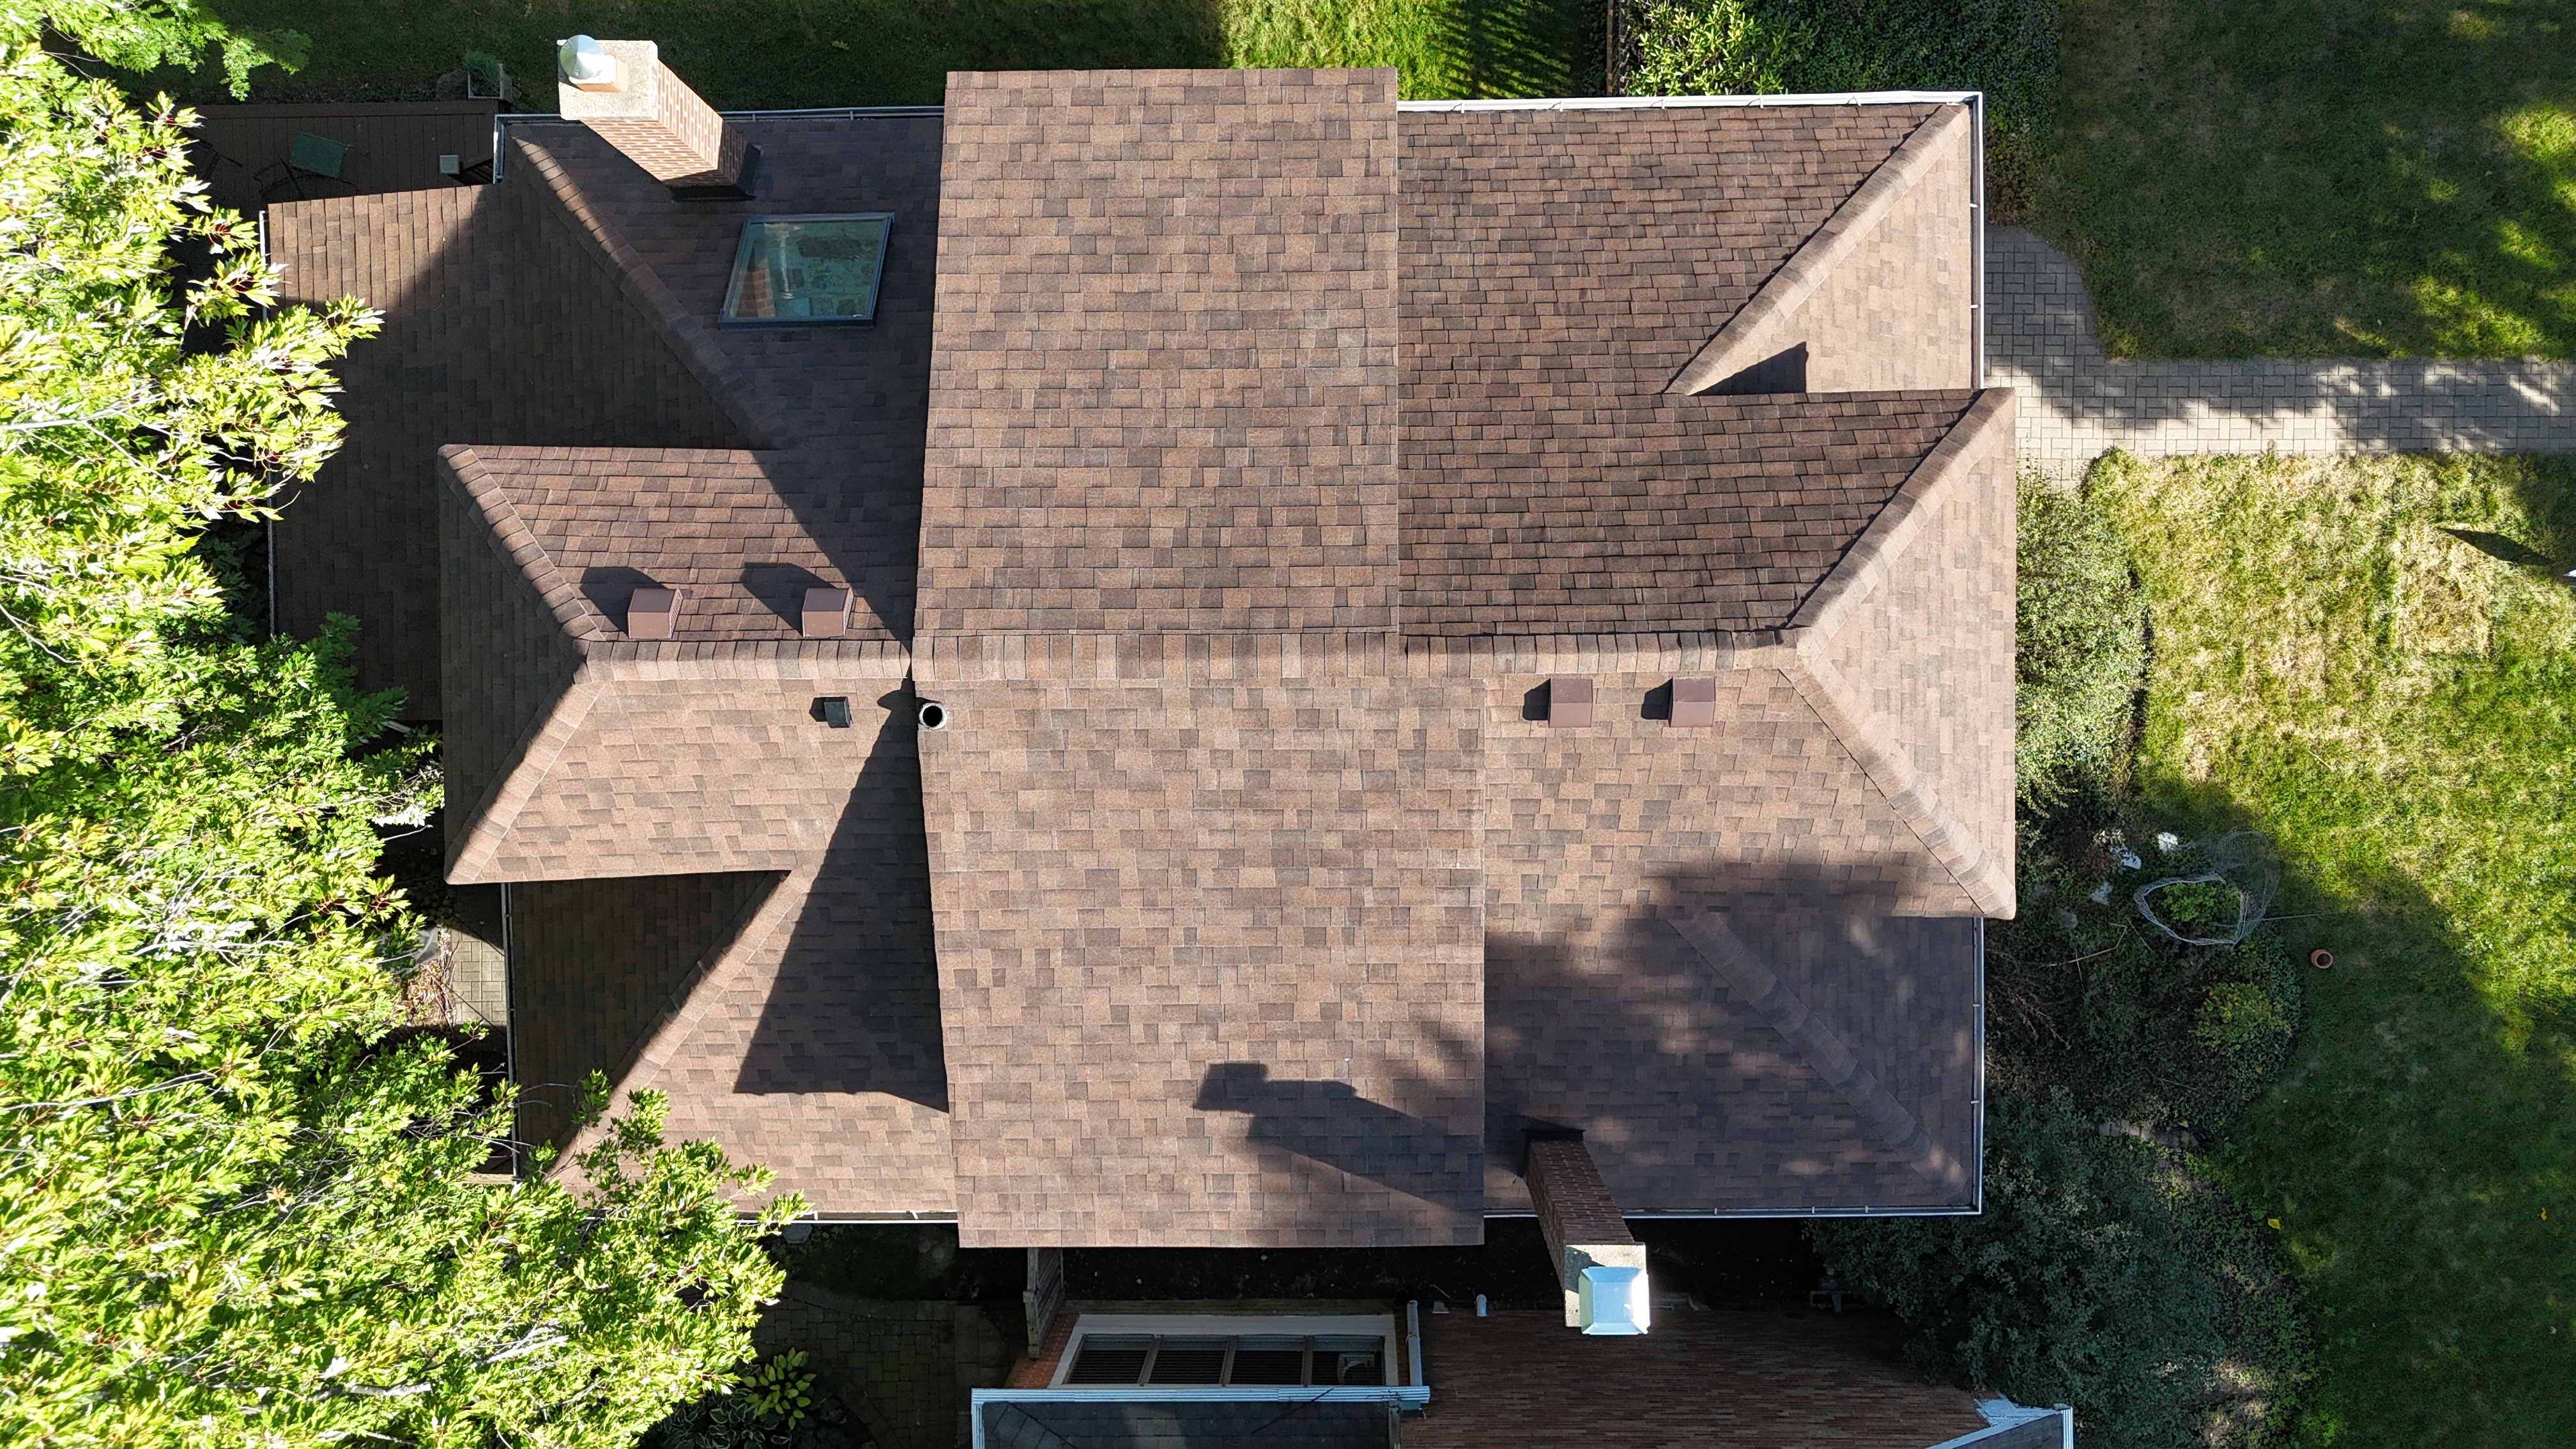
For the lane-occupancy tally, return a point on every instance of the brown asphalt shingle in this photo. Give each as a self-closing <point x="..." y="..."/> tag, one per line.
<point x="1264" y="451"/>
<point x="1559" y="257"/>
<point x="1210" y="960"/>
<point x="1636" y="514"/>
<point x="1163" y="384"/>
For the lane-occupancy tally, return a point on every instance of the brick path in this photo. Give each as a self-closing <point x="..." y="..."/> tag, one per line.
<point x="2075" y="405"/>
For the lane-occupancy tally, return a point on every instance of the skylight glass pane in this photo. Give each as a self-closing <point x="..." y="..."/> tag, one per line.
<point x="1109" y="1359"/>
<point x="1189" y="1361"/>
<point x="792" y="269"/>
<point x="1272" y="1360"/>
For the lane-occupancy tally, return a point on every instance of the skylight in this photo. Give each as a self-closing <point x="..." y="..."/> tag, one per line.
<point x="807" y="269"/>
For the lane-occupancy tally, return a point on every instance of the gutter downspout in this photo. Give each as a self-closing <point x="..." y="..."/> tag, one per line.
<point x="1413" y="1346"/>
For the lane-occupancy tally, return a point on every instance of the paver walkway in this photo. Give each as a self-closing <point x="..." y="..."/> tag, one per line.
<point x="2076" y="405"/>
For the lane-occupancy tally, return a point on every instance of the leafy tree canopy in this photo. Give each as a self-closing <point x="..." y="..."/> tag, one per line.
<point x="242" y="1204"/>
<point x="143" y="35"/>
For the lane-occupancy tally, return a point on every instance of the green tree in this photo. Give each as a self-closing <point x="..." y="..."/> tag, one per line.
<point x="142" y="35"/>
<point x="242" y="1203"/>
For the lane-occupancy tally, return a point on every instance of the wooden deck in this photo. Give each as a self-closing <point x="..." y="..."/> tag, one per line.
<point x="393" y="146"/>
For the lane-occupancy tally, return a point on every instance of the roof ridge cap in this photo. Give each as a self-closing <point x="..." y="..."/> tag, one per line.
<point x="1746" y="334"/>
<point x="722" y="377"/>
<point x="1906" y="790"/>
<point x="652" y="1050"/>
<point x="1705" y="931"/>
<point x="538" y="748"/>
<point x="518" y="544"/>
<point x="1864" y="565"/>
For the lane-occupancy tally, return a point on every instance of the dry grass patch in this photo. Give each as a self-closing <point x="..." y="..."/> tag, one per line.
<point x="2373" y="661"/>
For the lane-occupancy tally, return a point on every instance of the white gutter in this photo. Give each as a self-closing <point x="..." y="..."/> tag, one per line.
<point x="1678" y="103"/>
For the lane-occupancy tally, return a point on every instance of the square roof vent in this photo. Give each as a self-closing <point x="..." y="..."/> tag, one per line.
<point x="650" y="613"/>
<point x="827" y="613"/>
<point x="1694" y="703"/>
<point x="1569" y="703"/>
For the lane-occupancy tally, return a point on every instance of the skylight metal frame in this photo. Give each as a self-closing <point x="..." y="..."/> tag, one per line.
<point x="742" y="256"/>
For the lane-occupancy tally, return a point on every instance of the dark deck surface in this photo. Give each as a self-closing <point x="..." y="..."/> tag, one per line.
<point x="392" y="147"/>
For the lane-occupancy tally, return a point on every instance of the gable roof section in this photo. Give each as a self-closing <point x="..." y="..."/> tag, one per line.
<point x="1210" y="959"/>
<point x="1553" y="258"/>
<point x="804" y="1034"/>
<point x="350" y="540"/>
<point x="1163" y="380"/>
<point x="1834" y="295"/>
<point x="1643" y="514"/>
<point x="1906" y="652"/>
<point x="619" y="756"/>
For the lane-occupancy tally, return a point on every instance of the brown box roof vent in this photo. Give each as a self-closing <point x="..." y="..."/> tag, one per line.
<point x="651" y="612"/>
<point x="827" y="613"/>
<point x="1694" y="702"/>
<point x="1569" y="703"/>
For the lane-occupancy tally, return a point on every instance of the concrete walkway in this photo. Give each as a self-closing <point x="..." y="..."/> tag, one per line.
<point x="2076" y="405"/>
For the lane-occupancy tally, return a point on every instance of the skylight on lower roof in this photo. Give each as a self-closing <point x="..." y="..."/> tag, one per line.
<point x="807" y="269"/>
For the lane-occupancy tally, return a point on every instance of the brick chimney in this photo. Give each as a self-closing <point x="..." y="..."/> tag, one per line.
<point x="638" y="106"/>
<point x="1599" y="1264"/>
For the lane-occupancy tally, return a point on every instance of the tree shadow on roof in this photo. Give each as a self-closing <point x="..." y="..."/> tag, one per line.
<point x="1330" y="1122"/>
<point x="855" y="1003"/>
<point x="1703" y="1087"/>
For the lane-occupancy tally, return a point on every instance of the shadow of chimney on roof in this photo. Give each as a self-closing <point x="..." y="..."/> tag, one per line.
<point x="1635" y="1004"/>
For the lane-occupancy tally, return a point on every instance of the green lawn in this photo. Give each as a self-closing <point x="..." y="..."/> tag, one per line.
<point x="758" y="54"/>
<point x="2397" y="708"/>
<point x="2319" y="177"/>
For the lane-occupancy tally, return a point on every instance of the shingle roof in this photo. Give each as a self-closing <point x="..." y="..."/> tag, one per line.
<point x="1210" y="959"/>
<point x="1630" y="515"/>
<point x="708" y="751"/>
<point x="1265" y="452"/>
<point x="1558" y="257"/>
<point x="1517" y="1380"/>
<point x="1163" y="387"/>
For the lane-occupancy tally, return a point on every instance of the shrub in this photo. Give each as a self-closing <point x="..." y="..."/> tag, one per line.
<point x="775" y="1404"/>
<point x="2244" y="1026"/>
<point x="2005" y="48"/>
<point x="2077" y="1284"/>
<point x="2080" y="645"/>
<point x="2199" y="907"/>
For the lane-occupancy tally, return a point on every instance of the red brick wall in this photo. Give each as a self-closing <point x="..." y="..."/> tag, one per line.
<point x="685" y="144"/>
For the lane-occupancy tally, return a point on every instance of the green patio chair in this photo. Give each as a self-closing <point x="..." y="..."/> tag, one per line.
<point x="317" y="157"/>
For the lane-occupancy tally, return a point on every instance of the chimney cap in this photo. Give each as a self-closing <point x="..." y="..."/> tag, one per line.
<point x="1615" y="1302"/>
<point x="586" y="63"/>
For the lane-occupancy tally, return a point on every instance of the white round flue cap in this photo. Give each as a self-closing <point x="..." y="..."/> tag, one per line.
<point x="584" y="59"/>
